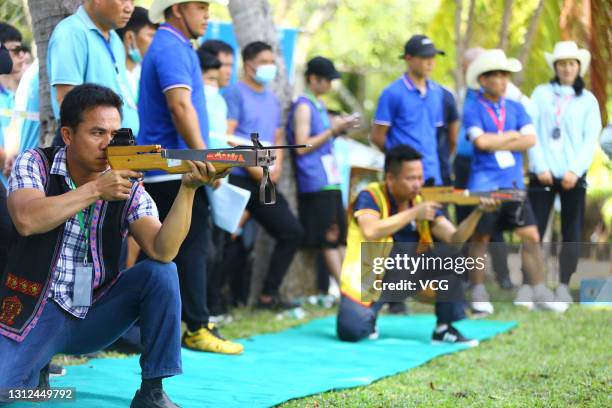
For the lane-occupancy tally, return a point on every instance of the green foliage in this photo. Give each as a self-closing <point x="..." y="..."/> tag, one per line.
<point x="12" y="12"/>
<point x="485" y="34"/>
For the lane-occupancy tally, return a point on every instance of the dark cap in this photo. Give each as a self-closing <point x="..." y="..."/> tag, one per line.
<point x="322" y="67"/>
<point x="421" y="46"/>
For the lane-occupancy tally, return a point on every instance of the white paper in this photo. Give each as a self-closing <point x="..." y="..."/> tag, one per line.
<point x="504" y="159"/>
<point x="228" y="203"/>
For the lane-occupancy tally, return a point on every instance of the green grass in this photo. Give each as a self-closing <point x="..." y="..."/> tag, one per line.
<point x="549" y="360"/>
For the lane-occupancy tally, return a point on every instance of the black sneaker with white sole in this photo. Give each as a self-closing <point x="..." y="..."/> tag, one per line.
<point x="451" y="335"/>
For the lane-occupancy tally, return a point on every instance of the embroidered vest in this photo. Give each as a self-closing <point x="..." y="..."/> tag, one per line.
<point x="25" y="283"/>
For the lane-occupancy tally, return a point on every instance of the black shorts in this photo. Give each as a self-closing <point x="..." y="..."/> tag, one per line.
<point x="509" y="216"/>
<point x="318" y="212"/>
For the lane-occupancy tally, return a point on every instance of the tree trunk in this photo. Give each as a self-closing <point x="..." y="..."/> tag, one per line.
<point x="600" y="44"/>
<point x="467" y="38"/>
<point x="458" y="47"/>
<point x="531" y="31"/>
<point x="505" y="25"/>
<point x="45" y="16"/>
<point x="253" y="20"/>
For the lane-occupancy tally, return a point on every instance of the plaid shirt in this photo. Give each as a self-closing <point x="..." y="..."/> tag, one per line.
<point x="28" y="172"/>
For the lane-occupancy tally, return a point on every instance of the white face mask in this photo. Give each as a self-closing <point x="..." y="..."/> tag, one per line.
<point x="266" y="73"/>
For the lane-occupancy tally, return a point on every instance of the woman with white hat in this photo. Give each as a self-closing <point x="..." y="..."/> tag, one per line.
<point x="568" y="123"/>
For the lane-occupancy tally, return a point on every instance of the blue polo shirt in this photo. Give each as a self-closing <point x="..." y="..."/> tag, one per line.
<point x="495" y="170"/>
<point x="79" y="53"/>
<point x="170" y="62"/>
<point x="465" y="147"/>
<point x="255" y="112"/>
<point x="413" y="119"/>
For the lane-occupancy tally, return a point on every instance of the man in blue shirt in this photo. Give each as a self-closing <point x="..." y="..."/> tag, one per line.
<point x="84" y="47"/>
<point x="252" y="107"/>
<point x="172" y="110"/>
<point x="410" y="109"/>
<point x="501" y="130"/>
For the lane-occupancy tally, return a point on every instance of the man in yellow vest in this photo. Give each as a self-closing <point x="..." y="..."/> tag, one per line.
<point x="390" y="245"/>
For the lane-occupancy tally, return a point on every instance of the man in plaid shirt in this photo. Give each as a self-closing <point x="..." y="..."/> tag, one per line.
<point x="68" y="205"/>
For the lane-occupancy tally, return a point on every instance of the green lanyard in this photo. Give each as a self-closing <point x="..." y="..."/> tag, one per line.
<point x="84" y="225"/>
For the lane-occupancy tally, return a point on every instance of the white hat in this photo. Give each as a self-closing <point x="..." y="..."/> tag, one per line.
<point x="490" y="60"/>
<point x="156" y="12"/>
<point x="569" y="50"/>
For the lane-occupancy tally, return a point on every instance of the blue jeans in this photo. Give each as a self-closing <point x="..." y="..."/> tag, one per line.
<point x="148" y="292"/>
<point x="356" y="321"/>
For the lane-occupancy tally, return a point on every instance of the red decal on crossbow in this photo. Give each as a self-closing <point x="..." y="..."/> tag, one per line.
<point x="230" y="157"/>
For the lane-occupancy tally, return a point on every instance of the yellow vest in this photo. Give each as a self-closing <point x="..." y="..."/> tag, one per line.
<point x="356" y="280"/>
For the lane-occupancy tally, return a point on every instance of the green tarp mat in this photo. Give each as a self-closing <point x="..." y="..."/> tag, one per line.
<point x="276" y="367"/>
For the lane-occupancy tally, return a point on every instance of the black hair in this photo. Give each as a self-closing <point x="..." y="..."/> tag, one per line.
<point x="208" y="61"/>
<point x="9" y="33"/>
<point x="252" y="50"/>
<point x="139" y="20"/>
<point x="84" y="97"/>
<point x="578" y="84"/>
<point x="397" y="155"/>
<point x="216" y="47"/>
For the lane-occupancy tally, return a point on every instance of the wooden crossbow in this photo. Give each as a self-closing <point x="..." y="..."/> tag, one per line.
<point x="124" y="154"/>
<point x="448" y="194"/>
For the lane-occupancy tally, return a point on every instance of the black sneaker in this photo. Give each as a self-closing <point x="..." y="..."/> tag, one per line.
<point x="274" y="305"/>
<point x="452" y="336"/>
<point x="155" y="399"/>
<point x="397" y="308"/>
<point x="505" y="283"/>
<point x="56" y="370"/>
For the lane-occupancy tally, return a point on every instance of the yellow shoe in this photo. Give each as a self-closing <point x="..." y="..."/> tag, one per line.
<point x="209" y="339"/>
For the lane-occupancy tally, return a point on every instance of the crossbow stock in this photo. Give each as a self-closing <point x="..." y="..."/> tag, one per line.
<point x="124" y="154"/>
<point x="451" y="195"/>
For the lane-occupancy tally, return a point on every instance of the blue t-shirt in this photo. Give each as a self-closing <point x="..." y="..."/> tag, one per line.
<point x="79" y="53"/>
<point x="413" y="120"/>
<point x="255" y="112"/>
<point x="318" y="169"/>
<point x="495" y="170"/>
<point x="170" y="62"/>
<point x="365" y="203"/>
<point x="7" y="104"/>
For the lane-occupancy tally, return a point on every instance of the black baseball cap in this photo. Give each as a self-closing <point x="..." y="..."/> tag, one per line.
<point x="421" y="46"/>
<point x="322" y="67"/>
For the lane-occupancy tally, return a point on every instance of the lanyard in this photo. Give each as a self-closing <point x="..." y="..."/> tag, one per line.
<point x="320" y="108"/>
<point x="84" y="225"/>
<point x="500" y="118"/>
<point x="110" y="51"/>
<point x="561" y="105"/>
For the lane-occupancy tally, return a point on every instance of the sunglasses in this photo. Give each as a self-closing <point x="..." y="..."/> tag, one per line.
<point x="20" y="49"/>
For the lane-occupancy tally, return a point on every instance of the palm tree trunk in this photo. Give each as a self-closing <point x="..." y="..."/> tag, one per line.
<point x="505" y="26"/>
<point x="45" y="16"/>
<point x="253" y="20"/>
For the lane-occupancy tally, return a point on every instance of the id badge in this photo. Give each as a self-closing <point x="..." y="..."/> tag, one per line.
<point x="505" y="159"/>
<point x="82" y="286"/>
<point x="331" y="169"/>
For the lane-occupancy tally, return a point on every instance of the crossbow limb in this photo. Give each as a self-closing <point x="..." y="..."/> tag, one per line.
<point x="124" y="154"/>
